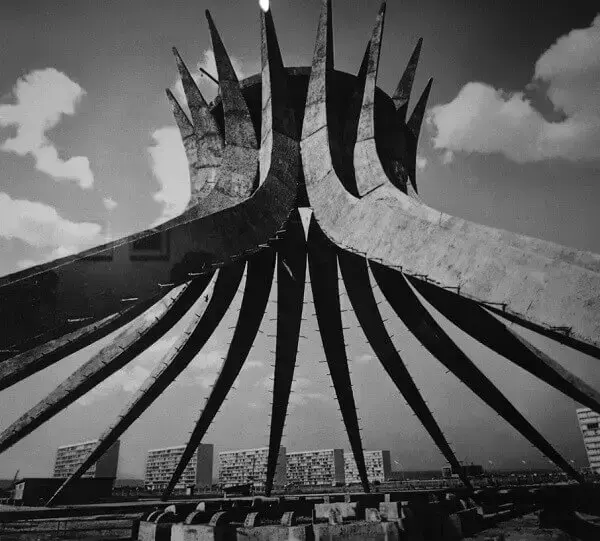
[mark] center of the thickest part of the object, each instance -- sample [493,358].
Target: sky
[89,151]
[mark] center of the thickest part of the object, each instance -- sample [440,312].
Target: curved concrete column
[554,287]
[422,325]
[208,313]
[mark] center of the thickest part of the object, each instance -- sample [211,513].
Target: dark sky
[119,55]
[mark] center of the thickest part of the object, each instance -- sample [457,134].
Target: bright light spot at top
[264,5]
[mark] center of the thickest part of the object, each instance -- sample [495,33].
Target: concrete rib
[552,286]
[322,263]
[204,148]
[356,279]
[422,325]
[401,96]
[256,295]
[485,328]
[132,341]
[25,364]
[291,278]
[208,312]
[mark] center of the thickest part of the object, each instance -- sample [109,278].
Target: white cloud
[170,167]
[447,157]
[41,226]
[109,203]
[42,97]
[203,371]
[364,359]
[421,162]
[486,120]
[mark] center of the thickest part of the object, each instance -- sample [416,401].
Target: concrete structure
[70,457]
[284,139]
[377,463]
[249,466]
[35,491]
[161,463]
[589,423]
[318,467]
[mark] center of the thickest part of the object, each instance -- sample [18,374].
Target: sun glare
[264,5]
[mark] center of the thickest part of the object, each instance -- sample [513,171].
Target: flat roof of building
[77,444]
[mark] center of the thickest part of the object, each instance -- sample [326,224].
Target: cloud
[203,371]
[42,97]
[40,225]
[364,359]
[170,167]
[109,203]
[487,120]
[207,87]
[421,162]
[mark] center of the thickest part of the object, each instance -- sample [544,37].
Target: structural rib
[279,123]
[256,295]
[365,135]
[356,279]
[485,328]
[554,287]
[208,312]
[25,364]
[291,274]
[134,339]
[322,262]
[416,117]
[420,323]
[401,96]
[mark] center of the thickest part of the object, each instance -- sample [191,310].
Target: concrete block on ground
[344,510]
[372,515]
[394,511]
[150,531]
[470,521]
[357,531]
[275,533]
[451,528]
[202,532]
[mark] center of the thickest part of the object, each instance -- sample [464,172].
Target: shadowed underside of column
[322,262]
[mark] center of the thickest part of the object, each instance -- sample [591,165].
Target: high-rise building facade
[589,423]
[317,467]
[249,466]
[161,463]
[378,465]
[70,457]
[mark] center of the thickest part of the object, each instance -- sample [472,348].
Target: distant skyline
[89,151]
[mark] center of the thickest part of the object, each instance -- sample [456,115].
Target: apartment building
[589,423]
[249,466]
[315,467]
[161,463]
[378,465]
[70,457]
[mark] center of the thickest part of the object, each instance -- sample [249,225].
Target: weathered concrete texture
[23,365]
[150,531]
[76,285]
[204,145]
[422,325]
[291,273]
[357,531]
[207,314]
[401,96]
[254,302]
[322,262]
[365,181]
[536,281]
[356,279]
[476,321]
[132,341]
